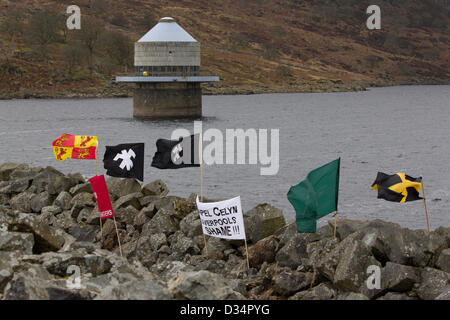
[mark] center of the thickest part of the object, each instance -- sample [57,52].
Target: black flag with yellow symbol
[397,187]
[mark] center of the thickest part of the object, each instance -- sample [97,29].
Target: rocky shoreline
[49,223]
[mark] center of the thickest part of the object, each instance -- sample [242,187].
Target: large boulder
[131,199]
[288,282]
[40,201]
[58,263]
[16,241]
[294,250]
[155,188]
[121,187]
[22,202]
[81,201]
[433,283]
[394,277]
[262,221]
[202,285]
[323,291]
[263,251]
[389,242]
[191,225]
[80,188]
[52,181]
[6,169]
[216,248]
[30,282]
[443,261]
[162,222]
[8,260]
[347,262]
[63,200]
[46,238]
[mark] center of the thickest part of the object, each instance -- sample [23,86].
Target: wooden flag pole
[246,250]
[425,205]
[96,174]
[335,223]
[200,158]
[118,237]
[313,278]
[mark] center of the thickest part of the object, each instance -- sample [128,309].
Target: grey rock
[58,263]
[145,289]
[83,233]
[202,285]
[63,200]
[47,238]
[131,199]
[22,202]
[396,296]
[352,296]
[323,291]
[57,293]
[155,188]
[52,181]
[162,222]
[126,215]
[81,201]
[445,295]
[433,283]
[6,169]
[295,250]
[29,283]
[394,277]
[121,187]
[84,215]
[40,201]
[216,248]
[443,261]
[167,270]
[183,245]
[8,260]
[157,241]
[286,283]
[16,241]
[263,221]
[81,188]
[191,225]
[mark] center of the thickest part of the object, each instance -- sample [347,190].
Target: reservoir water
[396,129]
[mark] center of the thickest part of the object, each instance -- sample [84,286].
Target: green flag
[316,196]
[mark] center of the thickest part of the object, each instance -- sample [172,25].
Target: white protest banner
[222,219]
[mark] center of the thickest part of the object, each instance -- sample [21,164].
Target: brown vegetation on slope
[253,45]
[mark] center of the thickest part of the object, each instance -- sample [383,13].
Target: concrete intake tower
[167,73]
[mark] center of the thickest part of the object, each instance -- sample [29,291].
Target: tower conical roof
[167,30]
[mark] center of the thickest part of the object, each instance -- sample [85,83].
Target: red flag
[101,194]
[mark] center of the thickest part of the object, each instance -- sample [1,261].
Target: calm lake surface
[384,129]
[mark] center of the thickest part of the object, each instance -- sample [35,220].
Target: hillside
[253,45]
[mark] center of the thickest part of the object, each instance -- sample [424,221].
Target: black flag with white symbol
[176,154]
[125,161]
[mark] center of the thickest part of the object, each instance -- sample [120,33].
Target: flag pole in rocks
[105,209]
[125,161]
[223,219]
[400,187]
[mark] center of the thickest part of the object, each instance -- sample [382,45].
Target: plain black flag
[176,154]
[125,161]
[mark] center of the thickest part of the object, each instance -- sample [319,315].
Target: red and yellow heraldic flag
[75,147]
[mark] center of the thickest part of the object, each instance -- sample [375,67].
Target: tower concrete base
[159,100]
